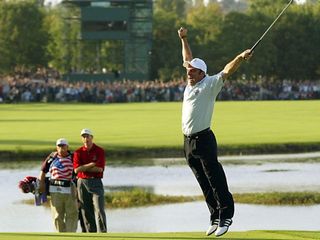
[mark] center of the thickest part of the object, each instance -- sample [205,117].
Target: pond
[177,179]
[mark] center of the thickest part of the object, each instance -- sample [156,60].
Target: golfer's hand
[247,54]
[182,32]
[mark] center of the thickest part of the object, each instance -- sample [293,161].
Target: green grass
[35,127]
[278,198]
[139,197]
[249,235]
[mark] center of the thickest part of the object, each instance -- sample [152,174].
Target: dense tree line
[23,38]
[32,35]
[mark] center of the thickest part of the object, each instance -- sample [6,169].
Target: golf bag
[32,185]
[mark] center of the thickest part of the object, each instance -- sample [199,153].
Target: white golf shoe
[213,227]
[223,227]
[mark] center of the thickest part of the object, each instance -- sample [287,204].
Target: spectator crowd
[47,87]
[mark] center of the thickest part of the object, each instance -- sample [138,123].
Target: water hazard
[175,179]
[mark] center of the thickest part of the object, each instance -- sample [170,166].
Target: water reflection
[193,217]
[176,180]
[179,180]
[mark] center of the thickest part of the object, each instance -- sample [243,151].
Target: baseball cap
[62,141]
[196,63]
[86,131]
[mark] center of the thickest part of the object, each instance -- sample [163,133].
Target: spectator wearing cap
[64,205]
[200,146]
[89,163]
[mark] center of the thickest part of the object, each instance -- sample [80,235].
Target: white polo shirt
[198,103]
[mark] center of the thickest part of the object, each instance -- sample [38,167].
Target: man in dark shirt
[89,163]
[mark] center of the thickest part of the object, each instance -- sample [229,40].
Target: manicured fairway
[252,235]
[35,127]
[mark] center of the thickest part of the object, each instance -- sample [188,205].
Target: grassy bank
[252,235]
[153,129]
[138,197]
[279,198]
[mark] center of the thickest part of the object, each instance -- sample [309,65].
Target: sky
[52,2]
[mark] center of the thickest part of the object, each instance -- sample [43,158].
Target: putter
[257,43]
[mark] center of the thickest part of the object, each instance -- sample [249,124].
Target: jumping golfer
[200,146]
[89,163]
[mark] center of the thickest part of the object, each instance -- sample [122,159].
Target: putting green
[252,235]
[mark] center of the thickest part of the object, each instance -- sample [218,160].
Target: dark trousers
[91,198]
[201,154]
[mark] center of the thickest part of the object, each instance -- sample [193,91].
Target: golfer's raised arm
[186,51]
[232,66]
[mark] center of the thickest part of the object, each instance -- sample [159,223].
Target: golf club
[257,43]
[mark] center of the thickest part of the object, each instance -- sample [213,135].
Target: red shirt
[82,156]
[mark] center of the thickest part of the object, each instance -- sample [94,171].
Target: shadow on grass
[15,142]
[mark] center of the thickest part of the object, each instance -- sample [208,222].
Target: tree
[238,32]
[232,5]
[56,46]
[205,22]
[178,7]
[69,53]
[267,7]
[165,53]
[166,49]
[23,39]
[65,47]
[312,1]
[297,38]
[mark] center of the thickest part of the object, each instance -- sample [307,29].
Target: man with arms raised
[200,146]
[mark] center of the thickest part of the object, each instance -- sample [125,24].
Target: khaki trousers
[64,209]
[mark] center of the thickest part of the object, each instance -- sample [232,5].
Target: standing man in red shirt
[89,163]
